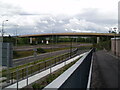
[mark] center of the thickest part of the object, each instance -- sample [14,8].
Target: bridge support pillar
[31,41]
[42,41]
[98,39]
[47,42]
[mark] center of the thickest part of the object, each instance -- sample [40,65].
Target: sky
[58,16]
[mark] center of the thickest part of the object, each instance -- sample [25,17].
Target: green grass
[103,45]
[21,54]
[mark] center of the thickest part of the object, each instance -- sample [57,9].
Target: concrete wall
[115,46]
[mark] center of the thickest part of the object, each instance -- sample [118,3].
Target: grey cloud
[94,15]
[9,10]
[90,21]
[85,25]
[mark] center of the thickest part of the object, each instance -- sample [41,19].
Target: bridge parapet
[76,76]
[71,34]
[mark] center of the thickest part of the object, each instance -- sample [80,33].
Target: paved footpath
[108,68]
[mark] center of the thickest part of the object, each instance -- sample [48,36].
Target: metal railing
[22,73]
[76,76]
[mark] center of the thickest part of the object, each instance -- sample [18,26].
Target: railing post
[45,65]
[27,74]
[50,66]
[22,73]
[39,67]
[55,61]
[65,62]
[11,78]
[17,78]
[31,69]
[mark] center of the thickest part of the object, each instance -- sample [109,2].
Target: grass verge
[40,84]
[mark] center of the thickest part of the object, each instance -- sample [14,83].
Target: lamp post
[115,40]
[71,47]
[2,31]
[51,51]
[52,40]
[16,35]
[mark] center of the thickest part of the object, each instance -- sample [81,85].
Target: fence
[22,73]
[76,76]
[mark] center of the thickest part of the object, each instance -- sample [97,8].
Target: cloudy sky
[45,16]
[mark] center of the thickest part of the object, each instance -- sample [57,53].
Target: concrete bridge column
[98,39]
[42,41]
[47,42]
[31,41]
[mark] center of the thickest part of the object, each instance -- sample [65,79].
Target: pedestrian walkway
[108,68]
[38,76]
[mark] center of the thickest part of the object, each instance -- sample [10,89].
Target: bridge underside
[68,35]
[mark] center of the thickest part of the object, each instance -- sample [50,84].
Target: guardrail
[76,76]
[22,73]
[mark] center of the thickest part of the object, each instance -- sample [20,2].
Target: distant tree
[9,36]
[113,32]
[119,32]
[23,41]
[109,31]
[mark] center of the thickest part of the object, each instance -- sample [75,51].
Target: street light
[71,40]
[16,35]
[2,32]
[71,47]
[51,51]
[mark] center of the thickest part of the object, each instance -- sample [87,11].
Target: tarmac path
[108,69]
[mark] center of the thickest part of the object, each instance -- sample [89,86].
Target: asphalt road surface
[108,69]
[29,48]
[28,59]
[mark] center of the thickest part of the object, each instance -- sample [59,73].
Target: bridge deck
[71,34]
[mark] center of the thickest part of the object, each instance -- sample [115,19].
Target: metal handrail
[63,81]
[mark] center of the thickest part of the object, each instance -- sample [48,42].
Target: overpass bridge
[48,35]
[71,34]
